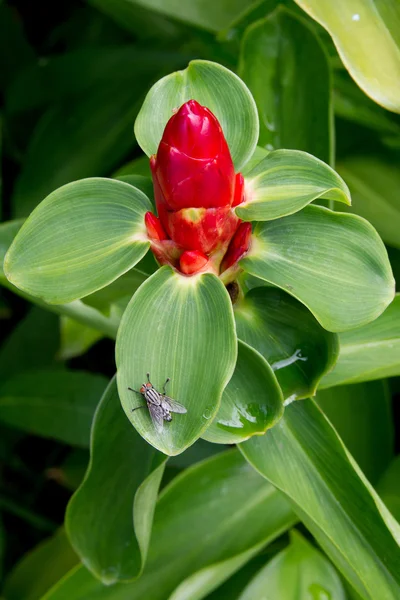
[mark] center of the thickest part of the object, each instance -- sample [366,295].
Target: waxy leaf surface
[284,331]
[369,352]
[334,263]
[111,532]
[369,406]
[79,239]
[213,86]
[213,513]
[287,70]
[366,35]
[182,328]
[374,185]
[286,181]
[332,497]
[252,401]
[299,571]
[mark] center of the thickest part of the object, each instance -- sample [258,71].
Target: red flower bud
[155,230]
[239,245]
[194,180]
[239,190]
[192,261]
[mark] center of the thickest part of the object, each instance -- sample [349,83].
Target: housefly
[160,405]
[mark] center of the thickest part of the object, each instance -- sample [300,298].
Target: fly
[160,405]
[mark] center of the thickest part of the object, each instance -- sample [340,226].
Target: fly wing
[172,405]
[157,416]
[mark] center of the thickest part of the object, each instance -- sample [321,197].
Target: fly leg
[136,392]
[165,385]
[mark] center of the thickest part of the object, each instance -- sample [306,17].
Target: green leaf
[389,487]
[40,569]
[366,35]
[55,404]
[374,185]
[252,401]
[369,352]
[334,263]
[8,231]
[280,577]
[368,405]
[287,335]
[182,328]
[353,105]
[77,310]
[213,512]
[79,239]
[76,338]
[331,496]
[286,181]
[33,344]
[207,14]
[212,85]
[286,68]
[111,532]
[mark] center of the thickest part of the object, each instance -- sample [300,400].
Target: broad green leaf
[33,344]
[210,514]
[76,338]
[111,532]
[284,331]
[366,35]
[49,403]
[286,181]
[353,105]
[252,401]
[182,328]
[369,407]
[369,352]
[374,185]
[79,239]
[77,310]
[207,14]
[286,68]
[257,156]
[233,586]
[334,263]
[331,496]
[212,85]
[40,569]
[280,577]
[389,487]
[8,231]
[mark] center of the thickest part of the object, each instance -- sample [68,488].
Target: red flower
[195,189]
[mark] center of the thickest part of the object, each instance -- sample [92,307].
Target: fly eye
[149,385]
[142,390]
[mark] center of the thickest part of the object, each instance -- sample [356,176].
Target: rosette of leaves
[236,346]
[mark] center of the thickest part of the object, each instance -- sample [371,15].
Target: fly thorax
[152,396]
